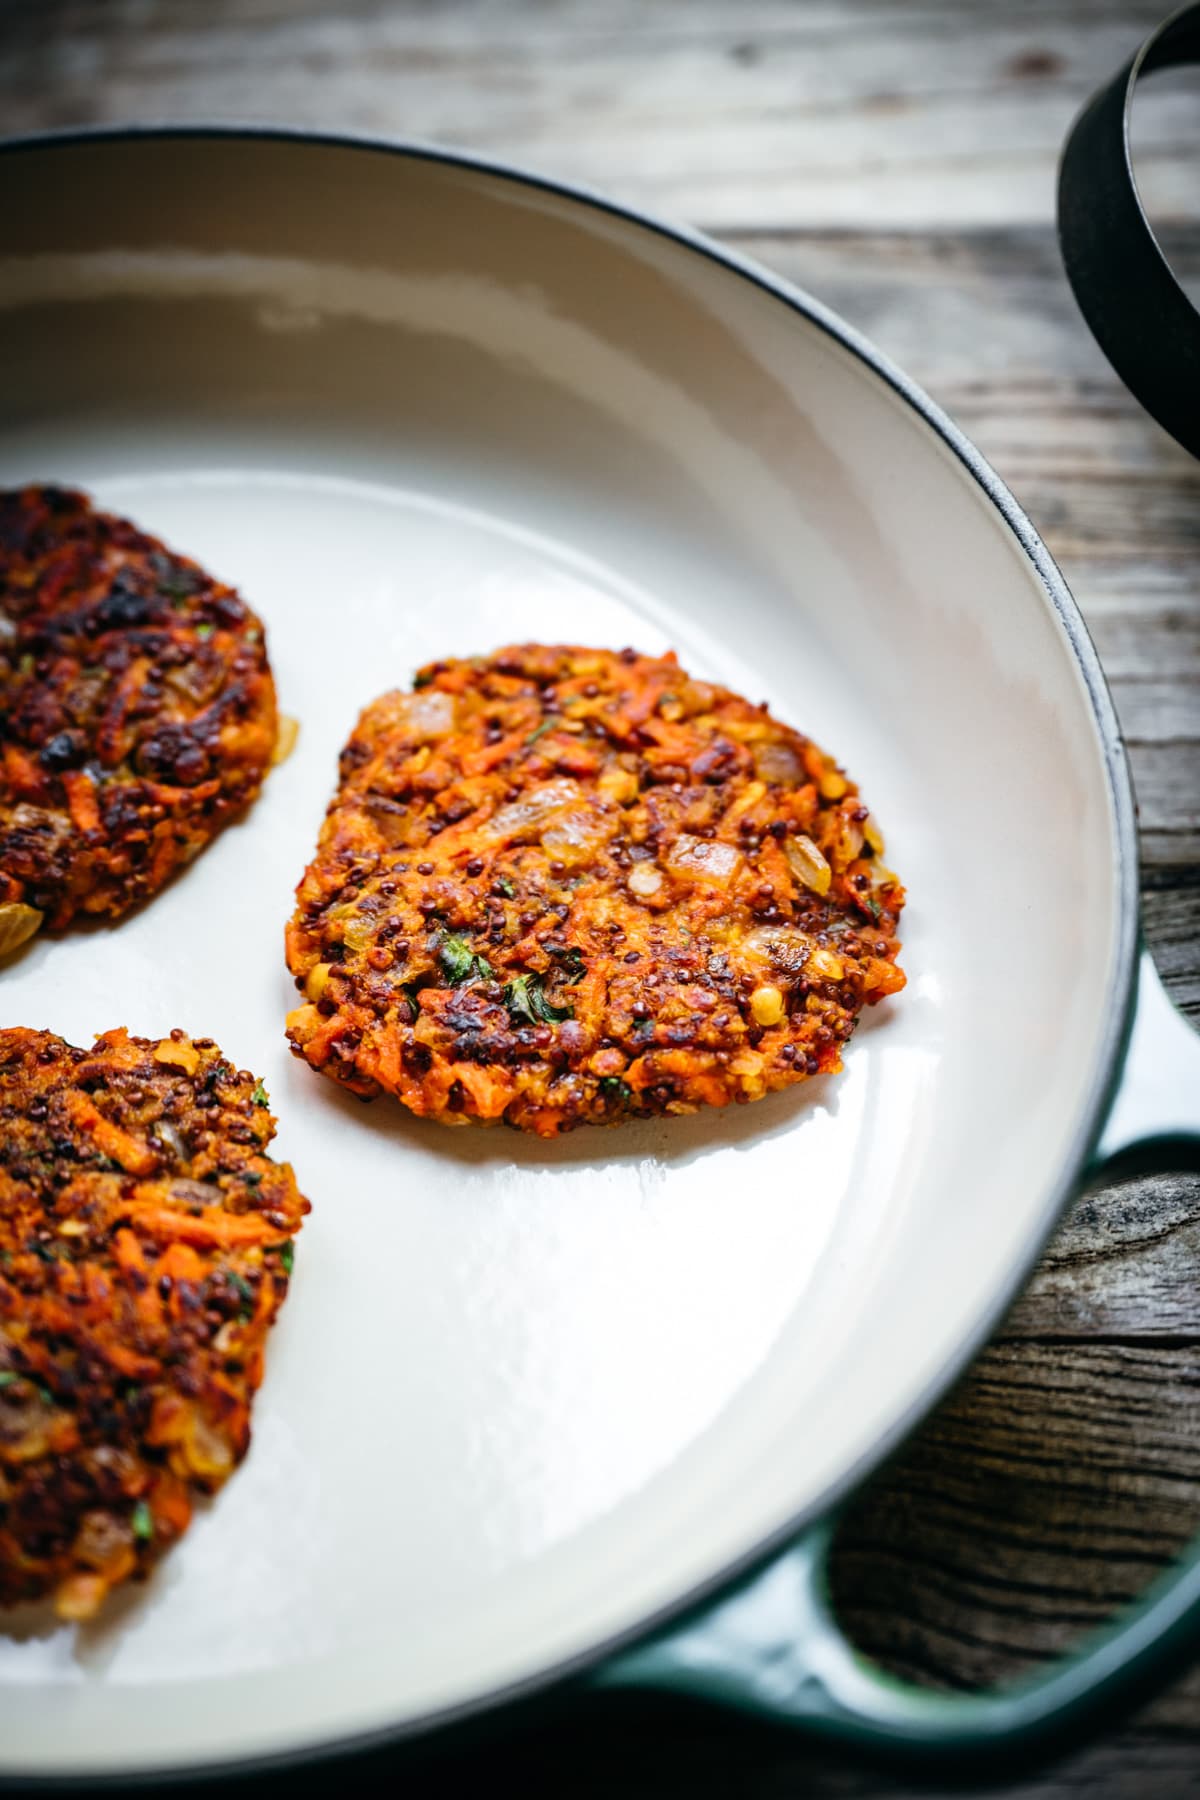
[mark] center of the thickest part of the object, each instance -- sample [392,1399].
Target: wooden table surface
[898,160]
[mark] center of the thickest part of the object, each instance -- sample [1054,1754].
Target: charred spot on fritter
[137,710]
[559,886]
[145,1249]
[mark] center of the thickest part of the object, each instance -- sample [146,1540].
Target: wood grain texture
[897,158]
[728,114]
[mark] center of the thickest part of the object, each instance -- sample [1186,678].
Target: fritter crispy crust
[145,1249]
[137,710]
[559,886]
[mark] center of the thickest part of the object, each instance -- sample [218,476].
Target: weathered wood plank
[1145,628]
[1169,918]
[1122,1266]
[1158,709]
[1166,779]
[858,113]
[1067,1466]
[1049,1489]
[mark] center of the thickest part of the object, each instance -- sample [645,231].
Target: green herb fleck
[525,999]
[287,1256]
[204,630]
[140,1521]
[461,963]
[506,887]
[457,959]
[245,1293]
[9,1376]
[252,1178]
[545,726]
[26,664]
[260,1095]
[422,678]
[613,1088]
[874,908]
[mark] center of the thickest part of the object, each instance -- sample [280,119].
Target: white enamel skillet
[530,1403]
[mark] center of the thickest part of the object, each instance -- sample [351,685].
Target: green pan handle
[770,1645]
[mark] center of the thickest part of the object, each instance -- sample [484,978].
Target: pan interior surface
[525,1395]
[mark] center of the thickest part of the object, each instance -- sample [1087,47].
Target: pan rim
[1119,998]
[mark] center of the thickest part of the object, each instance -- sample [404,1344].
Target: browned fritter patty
[145,1249]
[561,886]
[137,709]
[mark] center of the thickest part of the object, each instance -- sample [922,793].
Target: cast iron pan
[1141,317]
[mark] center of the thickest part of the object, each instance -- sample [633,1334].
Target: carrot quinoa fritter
[561,886]
[137,710]
[145,1249]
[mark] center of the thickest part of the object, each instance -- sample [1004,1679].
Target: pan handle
[770,1646]
[1139,314]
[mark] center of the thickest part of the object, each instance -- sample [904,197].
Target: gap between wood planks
[942,114]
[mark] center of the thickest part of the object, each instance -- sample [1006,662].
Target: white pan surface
[525,1395]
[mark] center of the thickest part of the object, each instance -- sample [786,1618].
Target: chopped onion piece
[575,835]
[168,1133]
[208,1452]
[287,732]
[645,880]
[618,784]
[526,816]
[317,980]
[427,714]
[705,858]
[825,965]
[846,843]
[808,864]
[786,949]
[18,924]
[27,1420]
[780,764]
